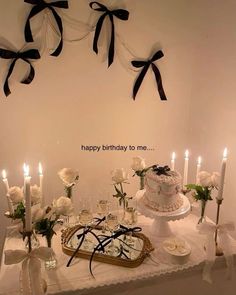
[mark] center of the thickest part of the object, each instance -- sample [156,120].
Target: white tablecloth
[76,279]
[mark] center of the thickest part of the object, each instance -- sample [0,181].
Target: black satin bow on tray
[103,241]
[40,5]
[120,14]
[145,65]
[159,170]
[25,56]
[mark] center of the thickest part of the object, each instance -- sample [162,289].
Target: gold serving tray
[142,246]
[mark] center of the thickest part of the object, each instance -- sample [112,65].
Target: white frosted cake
[163,191]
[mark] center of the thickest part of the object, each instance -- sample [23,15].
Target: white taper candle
[9,202]
[41,184]
[222,175]
[28,217]
[172,167]
[185,178]
[199,162]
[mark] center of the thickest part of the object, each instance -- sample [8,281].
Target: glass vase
[34,241]
[51,263]
[203,208]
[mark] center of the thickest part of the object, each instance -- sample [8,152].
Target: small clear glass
[112,225]
[130,220]
[85,219]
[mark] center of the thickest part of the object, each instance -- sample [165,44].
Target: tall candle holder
[28,235]
[219,251]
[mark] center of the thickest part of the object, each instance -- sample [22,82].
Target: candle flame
[40,169]
[4,174]
[186,154]
[225,153]
[26,169]
[199,160]
[173,156]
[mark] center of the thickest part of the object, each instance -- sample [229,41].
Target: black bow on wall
[25,55]
[119,13]
[40,5]
[145,65]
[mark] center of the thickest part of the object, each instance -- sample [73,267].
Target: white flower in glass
[119,176]
[35,194]
[16,194]
[62,206]
[140,169]
[69,177]
[138,164]
[207,179]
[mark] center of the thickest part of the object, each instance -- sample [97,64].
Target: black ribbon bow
[25,55]
[119,13]
[145,65]
[40,5]
[159,170]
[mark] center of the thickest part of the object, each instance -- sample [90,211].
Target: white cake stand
[160,227]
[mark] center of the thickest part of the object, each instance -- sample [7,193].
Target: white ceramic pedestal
[160,227]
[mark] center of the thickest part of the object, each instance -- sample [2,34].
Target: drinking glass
[112,225]
[130,219]
[102,211]
[85,219]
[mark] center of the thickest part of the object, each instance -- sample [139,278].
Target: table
[154,276]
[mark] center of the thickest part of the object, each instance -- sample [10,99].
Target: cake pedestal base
[160,227]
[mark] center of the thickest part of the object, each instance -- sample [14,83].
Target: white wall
[76,100]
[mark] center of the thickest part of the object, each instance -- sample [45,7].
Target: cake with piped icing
[162,189]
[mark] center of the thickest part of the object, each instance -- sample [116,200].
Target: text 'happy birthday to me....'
[106,147]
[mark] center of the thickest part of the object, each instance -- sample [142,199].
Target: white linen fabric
[76,279]
[31,267]
[225,242]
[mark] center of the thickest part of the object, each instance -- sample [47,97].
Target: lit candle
[222,175]
[173,161]
[185,178]
[41,183]
[25,169]
[199,162]
[9,203]
[28,218]
[4,179]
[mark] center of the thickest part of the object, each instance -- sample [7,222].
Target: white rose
[204,178]
[68,175]
[119,176]
[35,194]
[207,179]
[215,177]
[138,164]
[16,194]
[62,206]
[37,214]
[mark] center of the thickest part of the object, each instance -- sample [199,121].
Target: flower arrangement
[45,219]
[16,196]
[69,178]
[139,167]
[119,177]
[202,191]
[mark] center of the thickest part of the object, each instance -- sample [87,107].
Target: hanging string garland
[120,14]
[40,5]
[25,56]
[145,65]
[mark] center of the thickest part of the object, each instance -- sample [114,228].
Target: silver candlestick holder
[219,251]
